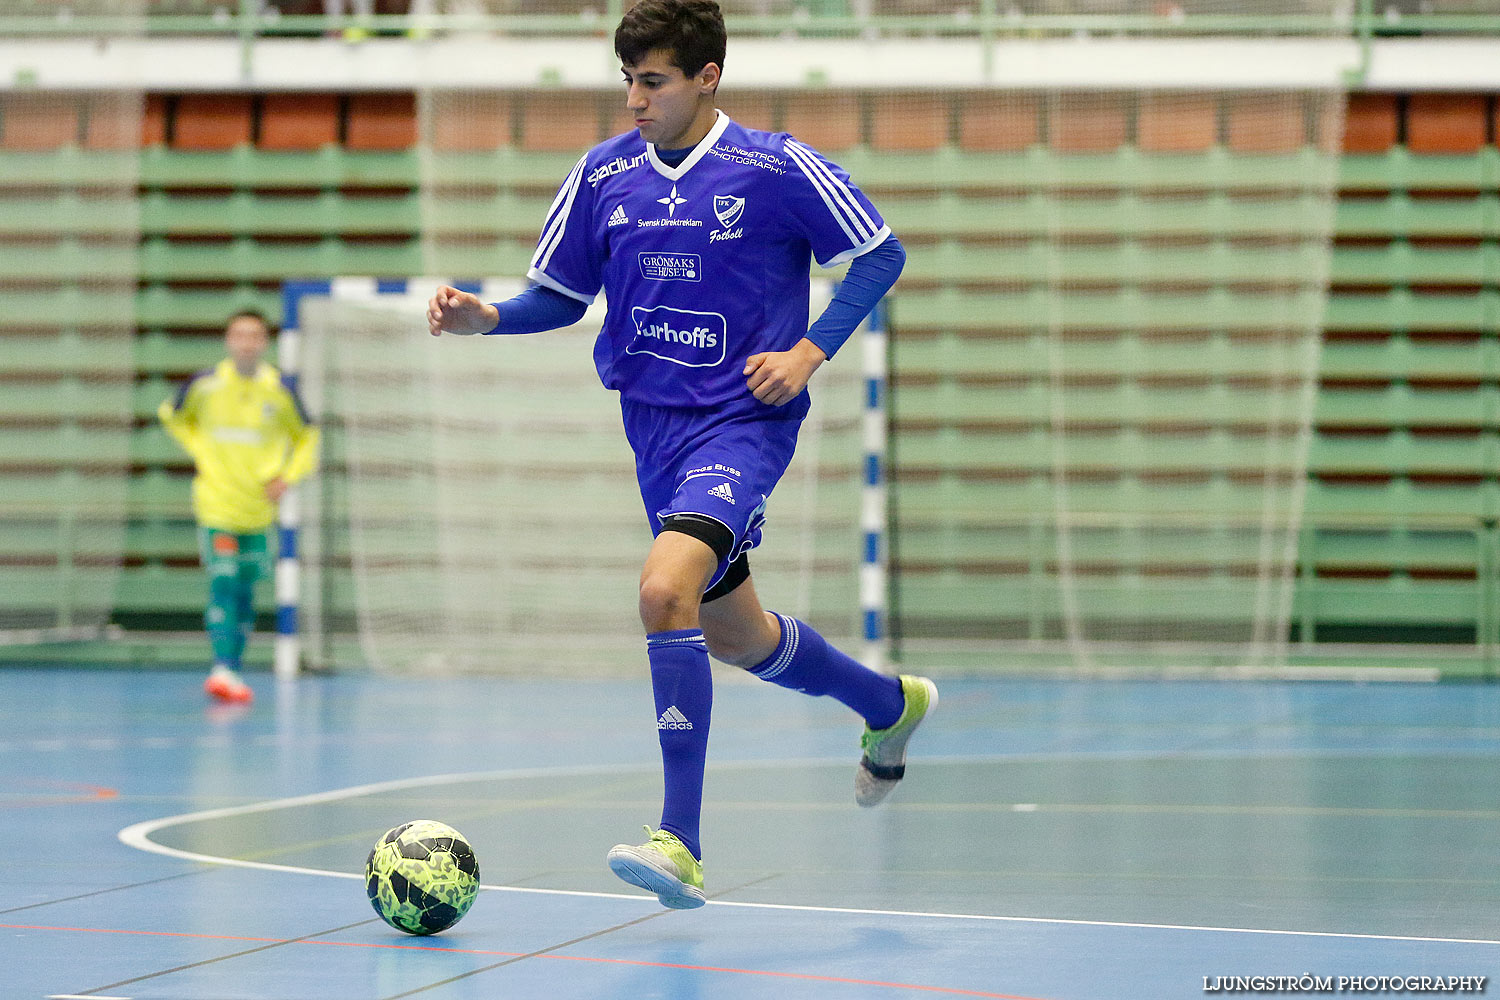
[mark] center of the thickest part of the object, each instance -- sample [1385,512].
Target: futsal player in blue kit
[700,232]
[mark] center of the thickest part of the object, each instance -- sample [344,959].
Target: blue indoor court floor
[1056,840]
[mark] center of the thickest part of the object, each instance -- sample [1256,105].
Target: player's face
[671,109]
[246,338]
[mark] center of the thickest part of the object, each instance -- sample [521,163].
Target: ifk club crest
[728,208]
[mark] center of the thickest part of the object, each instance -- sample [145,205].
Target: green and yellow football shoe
[884,761]
[662,865]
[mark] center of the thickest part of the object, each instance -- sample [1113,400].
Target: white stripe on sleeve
[557,216]
[842,193]
[836,195]
[839,188]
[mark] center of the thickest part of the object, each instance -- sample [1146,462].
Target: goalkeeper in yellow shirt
[250,439]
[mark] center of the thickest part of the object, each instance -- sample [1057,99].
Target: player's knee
[665,605]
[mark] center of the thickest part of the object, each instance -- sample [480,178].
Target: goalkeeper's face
[246,338]
[671,109]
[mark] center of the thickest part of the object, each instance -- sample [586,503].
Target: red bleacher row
[1433,123]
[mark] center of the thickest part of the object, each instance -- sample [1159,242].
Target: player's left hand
[276,489]
[778,377]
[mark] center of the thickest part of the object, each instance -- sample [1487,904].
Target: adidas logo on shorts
[618,217]
[723,492]
[673,718]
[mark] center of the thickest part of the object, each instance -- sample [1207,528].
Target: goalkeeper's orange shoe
[225,685]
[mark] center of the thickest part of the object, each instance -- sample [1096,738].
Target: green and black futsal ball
[422,877]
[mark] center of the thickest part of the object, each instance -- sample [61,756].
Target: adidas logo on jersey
[673,718]
[723,492]
[618,217]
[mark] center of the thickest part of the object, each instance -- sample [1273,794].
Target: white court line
[138,835]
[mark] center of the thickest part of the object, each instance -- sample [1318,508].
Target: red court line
[80,793]
[767,973]
[947,990]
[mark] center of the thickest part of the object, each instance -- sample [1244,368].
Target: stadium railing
[986,20]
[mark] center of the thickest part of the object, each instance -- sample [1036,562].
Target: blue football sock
[804,661]
[684,690]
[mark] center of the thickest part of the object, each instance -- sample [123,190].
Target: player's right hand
[459,312]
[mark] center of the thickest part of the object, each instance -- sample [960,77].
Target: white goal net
[1102,405]
[69,241]
[478,510]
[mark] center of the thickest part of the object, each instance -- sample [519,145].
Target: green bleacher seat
[251,213]
[1033,401]
[1124,169]
[46,589]
[150,444]
[502,213]
[65,260]
[148,393]
[1113,215]
[1400,215]
[1010,548]
[1403,358]
[159,354]
[245,168]
[948,401]
[957,604]
[947,353]
[156,492]
[1032,261]
[160,306]
[484,256]
[66,305]
[62,444]
[163,538]
[1132,450]
[1397,169]
[1415,551]
[1400,405]
[161,589]
[1387,602]
[62,535]
[245,259]
[42,487]
[66,212]
[68,399]
[1402,264]
[1392,499]
[66,352]
[514,169]
[1401,309]
[69,167]
[1147,310]
[1401,452]
[925,490]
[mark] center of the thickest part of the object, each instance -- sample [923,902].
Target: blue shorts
[712,463]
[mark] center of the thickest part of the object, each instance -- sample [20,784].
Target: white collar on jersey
[699,151]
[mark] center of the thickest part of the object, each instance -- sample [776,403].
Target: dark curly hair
[691,30]
[255,314]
